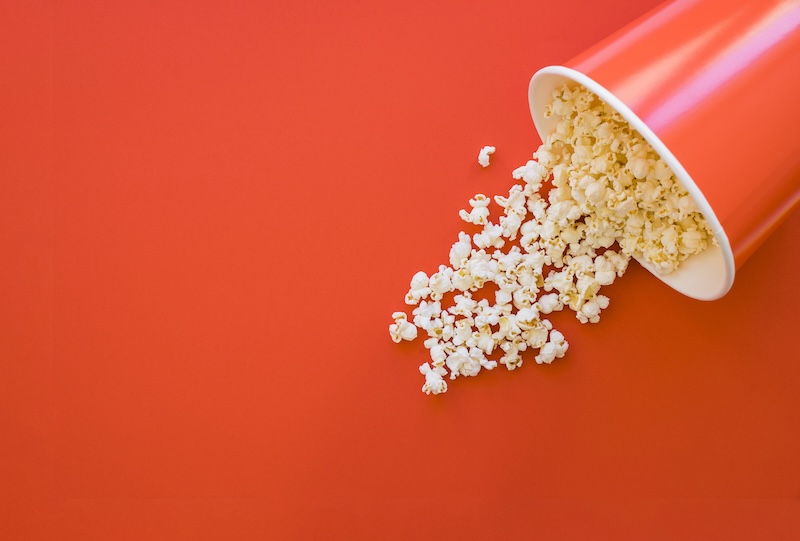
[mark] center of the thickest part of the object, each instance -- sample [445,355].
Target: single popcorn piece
[554,349]
[440,282]
[434,383]
[549,303]
[483,155]
[419,288]
[401,329]
[460,251]
[610,198]
[480,211]
[490,237]
[425,313]
[533,173]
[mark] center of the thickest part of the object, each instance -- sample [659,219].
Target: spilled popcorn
[611,198]
[483,155]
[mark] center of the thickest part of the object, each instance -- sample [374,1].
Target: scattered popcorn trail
[611,198]
[483,155]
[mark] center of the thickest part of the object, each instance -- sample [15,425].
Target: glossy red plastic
[714,86]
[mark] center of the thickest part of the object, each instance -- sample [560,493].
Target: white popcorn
[529,271]
[512,357]
[440,283]
[461,363]
[487,315]
[442,328]
[401,329]
[503,297]
[434,384]
[549,303]
[484,340]
[509,328]
[538,207]
[530,234]
[554,349]
[595,192]
[515,202]
[604,271]
[639,167]
[464,305]
[536,335]
[462,331]
[482,268]
[462,280]
[483,155]
[533,173]
[419,288]
[525,296]
[528,318]
[460,251]
[589,312]
[490,237]
[479,213]
[477,354]
[511,223]
[438,353]
[586,287]
[425,313]
[508,261]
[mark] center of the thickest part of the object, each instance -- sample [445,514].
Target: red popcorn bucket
[714,87]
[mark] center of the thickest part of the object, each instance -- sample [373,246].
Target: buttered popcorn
[611,198]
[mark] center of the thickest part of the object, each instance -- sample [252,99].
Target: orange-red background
[208,212]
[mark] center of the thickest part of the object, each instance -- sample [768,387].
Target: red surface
[699,73]
[208,213]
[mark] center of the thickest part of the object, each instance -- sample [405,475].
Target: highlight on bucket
[699,80]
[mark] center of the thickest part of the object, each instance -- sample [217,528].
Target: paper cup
[714,87]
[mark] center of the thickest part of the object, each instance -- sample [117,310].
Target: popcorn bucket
[714,87]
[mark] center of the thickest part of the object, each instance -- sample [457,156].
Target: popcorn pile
[611,198]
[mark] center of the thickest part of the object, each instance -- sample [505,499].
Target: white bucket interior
[704,276]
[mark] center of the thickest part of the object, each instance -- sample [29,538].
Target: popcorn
[479,212]
[533,173]
[434,384]
[465,305]
[528,318]
[511,359]
[508,327]
[612,198]
[490,237]
[487,315]
[419,288]
[462,363]
[401,329]
[425,312]
[482,268]
[595,192]
[440,282]
[462,280]
[549,303]
[589,312]
[554,349]
[536,335]
[460,251]
[483,155]
[483,340]
[462,332]
[438,354]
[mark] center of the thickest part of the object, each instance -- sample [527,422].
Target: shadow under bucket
[714,87]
